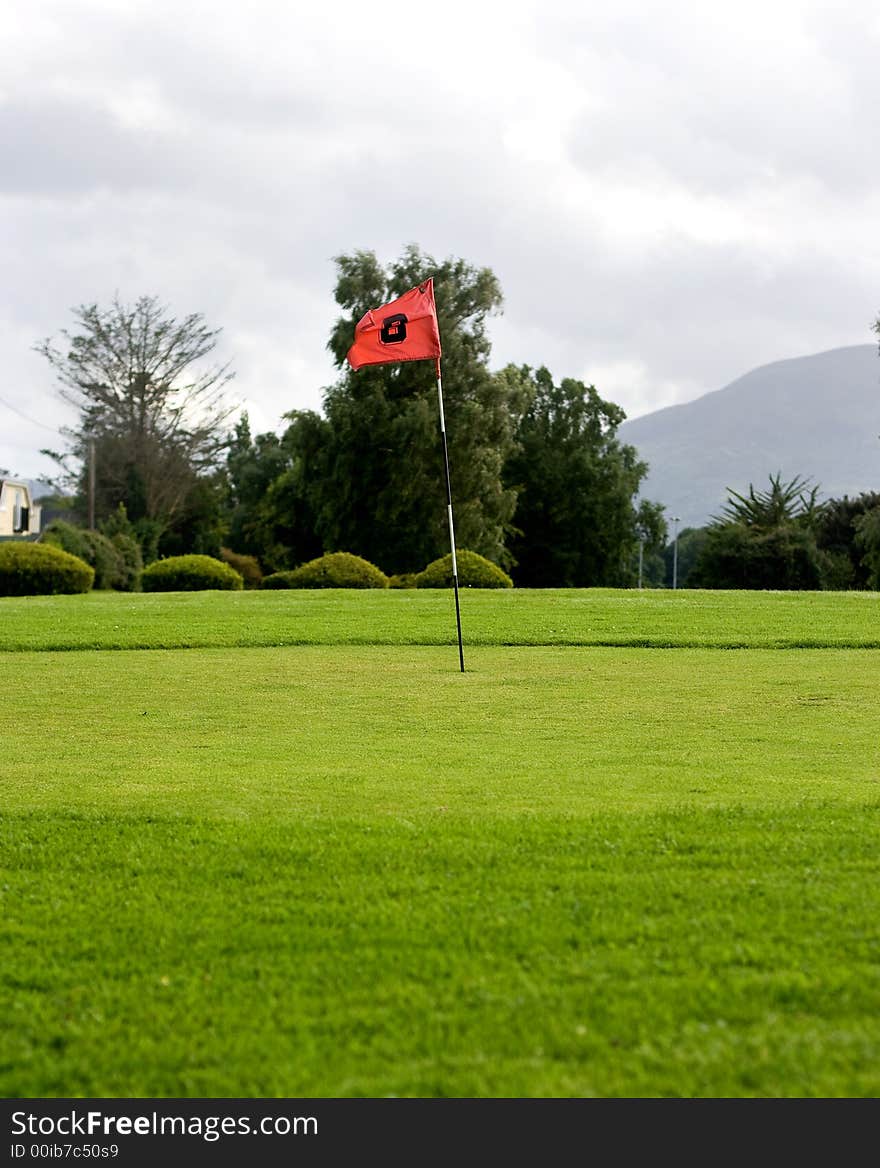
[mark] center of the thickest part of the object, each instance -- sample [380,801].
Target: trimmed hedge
[403,580]
[334,570]
[190,574]
[474,571]
[38,569]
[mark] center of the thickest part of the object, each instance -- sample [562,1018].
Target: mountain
[815,417]
[39,488]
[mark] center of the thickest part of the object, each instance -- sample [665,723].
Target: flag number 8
[393,329]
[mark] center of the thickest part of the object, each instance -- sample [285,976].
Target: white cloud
[669,194]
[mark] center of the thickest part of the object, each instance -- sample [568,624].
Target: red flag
[404,330]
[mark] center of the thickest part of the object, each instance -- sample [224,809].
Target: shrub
[189,574]
[105,555]
[474,571]
[334,570]
[68,537]
[277,580]
[38,569]
[737,556]
[248,567]
[117,522]
[104,558]
[131,563]
[403,580]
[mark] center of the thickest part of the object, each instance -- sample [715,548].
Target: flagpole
[449,511]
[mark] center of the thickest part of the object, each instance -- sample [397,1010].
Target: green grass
[723,954]
[659,618]
[374,731]
[337,870]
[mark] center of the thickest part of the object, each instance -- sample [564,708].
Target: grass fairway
[588,616]
[336,869]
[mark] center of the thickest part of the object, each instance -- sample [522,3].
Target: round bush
[37,569]
[190,574]
[474,571]
[334,570]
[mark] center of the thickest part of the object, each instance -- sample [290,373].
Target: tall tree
[651,531]
[272,483]
[149,409]
[576,482]
[383,494]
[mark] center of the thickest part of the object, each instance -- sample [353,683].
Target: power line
[33,421]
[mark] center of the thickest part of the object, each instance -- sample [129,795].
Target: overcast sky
[669,193]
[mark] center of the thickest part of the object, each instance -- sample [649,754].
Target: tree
[867,528]
[837,537]
[793,503]
[576,483]
[282,491]
[273,481]
[764,540]
[651,532]
[150,413]
[381,487]
[252,464]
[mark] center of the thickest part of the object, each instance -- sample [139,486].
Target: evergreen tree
[271,483]
[381,493]
[576,482]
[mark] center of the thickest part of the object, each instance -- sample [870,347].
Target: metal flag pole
[449,511]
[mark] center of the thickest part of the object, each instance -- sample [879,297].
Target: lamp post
[675,521]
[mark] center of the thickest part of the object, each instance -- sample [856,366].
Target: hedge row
[28,569]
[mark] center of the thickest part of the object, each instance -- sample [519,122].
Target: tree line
[542,484]
[782,537]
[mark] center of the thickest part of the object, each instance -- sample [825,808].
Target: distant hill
[816,417]
[39,488]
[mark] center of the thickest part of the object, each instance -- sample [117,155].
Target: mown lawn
[596,616]
[335,870]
